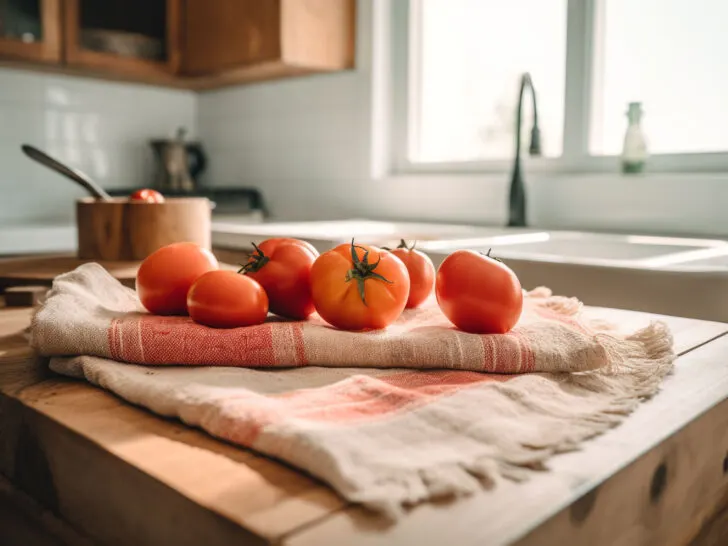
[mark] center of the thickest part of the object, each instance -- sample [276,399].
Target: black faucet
[517,199]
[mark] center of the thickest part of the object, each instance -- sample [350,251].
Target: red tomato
[478,293]
[359,287]
[225,299]
[166,275]
[275,241]
[421,273]
[147,196]
[283,268]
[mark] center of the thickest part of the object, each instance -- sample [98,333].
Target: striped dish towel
[388,418]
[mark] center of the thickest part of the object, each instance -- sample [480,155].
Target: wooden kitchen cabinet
[230,41]
[138,38]
[30,30]
[194,44]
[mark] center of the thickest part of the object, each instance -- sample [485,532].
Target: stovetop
[227,200]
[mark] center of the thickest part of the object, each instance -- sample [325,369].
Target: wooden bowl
[130,230]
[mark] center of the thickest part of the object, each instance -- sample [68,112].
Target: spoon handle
[74,174]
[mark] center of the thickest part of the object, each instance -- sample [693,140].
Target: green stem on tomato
[256,261]
[363,270]
[403,244]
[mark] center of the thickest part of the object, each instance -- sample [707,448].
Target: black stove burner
[227,200]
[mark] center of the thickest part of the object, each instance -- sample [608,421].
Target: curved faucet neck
[535,147]
[517,197]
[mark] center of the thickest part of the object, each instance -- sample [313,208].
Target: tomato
[478,293]
[166,275]
[283,268]
[275,241]
[358,287]
[147,196]
[226,299]
[421,273]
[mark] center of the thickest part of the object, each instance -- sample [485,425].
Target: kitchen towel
[388,418]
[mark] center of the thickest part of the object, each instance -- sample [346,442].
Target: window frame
[583,27]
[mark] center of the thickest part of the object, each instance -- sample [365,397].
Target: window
[670,55]
[587,58]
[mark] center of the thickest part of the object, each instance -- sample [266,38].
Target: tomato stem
[363,270]
[256,261]
[403,244]
[487,255]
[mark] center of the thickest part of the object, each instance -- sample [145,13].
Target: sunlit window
[472,55]
[466,58]
[669,55]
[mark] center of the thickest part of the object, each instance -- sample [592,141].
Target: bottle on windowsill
[634,152]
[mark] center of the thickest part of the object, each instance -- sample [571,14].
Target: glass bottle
[634,152]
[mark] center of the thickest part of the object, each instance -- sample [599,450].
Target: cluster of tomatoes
[352,287]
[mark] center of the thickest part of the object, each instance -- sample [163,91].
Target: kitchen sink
[324,235]
[666,275]
[592,248]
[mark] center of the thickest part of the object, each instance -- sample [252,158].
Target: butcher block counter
[80,466]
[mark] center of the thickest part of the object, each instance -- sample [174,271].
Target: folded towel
[382,437]
[88,312]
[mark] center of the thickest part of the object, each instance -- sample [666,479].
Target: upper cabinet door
[30,30]
[233,41]
[224,34]
[139,38]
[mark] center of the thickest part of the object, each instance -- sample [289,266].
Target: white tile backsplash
[299,130]
[100,127]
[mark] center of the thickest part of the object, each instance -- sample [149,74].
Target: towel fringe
[586,404]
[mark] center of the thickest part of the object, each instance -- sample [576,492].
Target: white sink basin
[515,243]
[592,248]
[324,235]
[671,276]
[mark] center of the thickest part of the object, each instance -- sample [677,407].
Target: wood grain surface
[41,270]
[25,296]
[226,34]
[123,230]
[121,475]
[25,522]
[236,41]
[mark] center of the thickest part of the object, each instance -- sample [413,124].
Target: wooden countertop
[83,465]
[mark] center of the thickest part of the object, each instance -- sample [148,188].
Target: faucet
[517,198]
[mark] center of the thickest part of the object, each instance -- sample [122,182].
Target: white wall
[302,141]
[314,147]
[100,127]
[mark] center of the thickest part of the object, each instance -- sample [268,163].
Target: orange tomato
[358,287]
[166,275]
[421,273]
[226,299]
[283,268]
[478,293]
